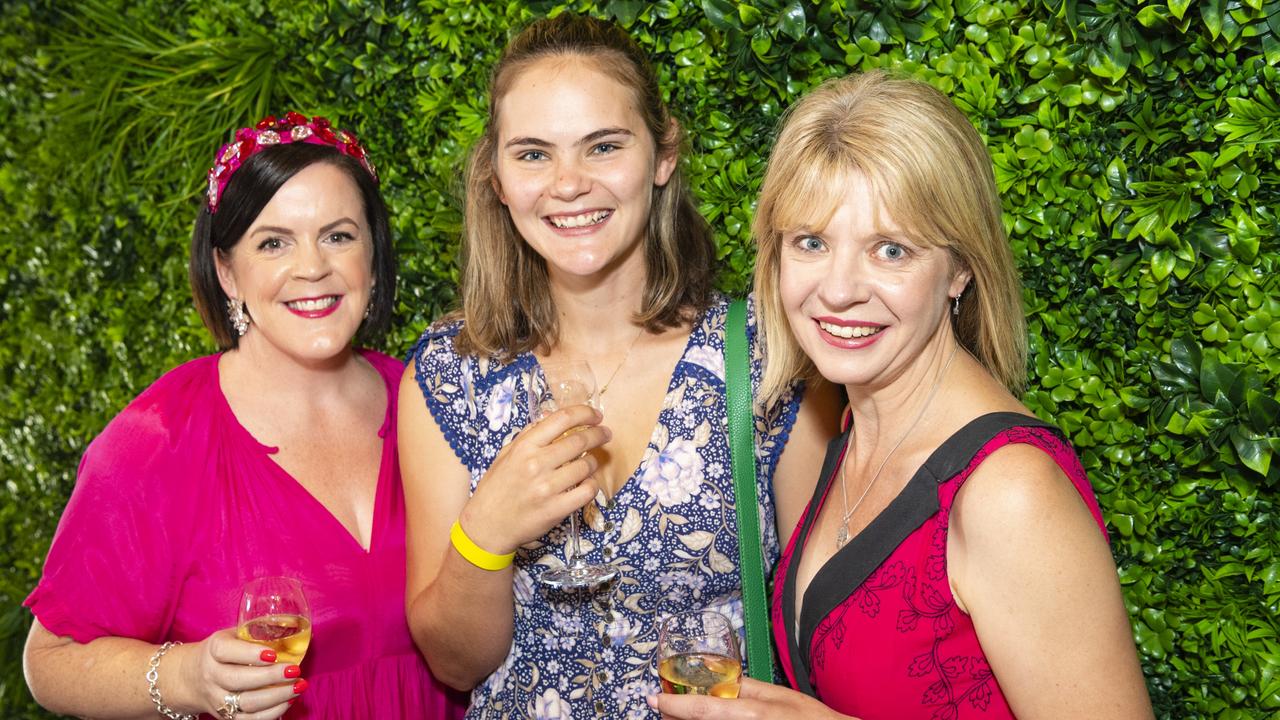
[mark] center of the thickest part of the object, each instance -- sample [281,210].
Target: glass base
[579,577]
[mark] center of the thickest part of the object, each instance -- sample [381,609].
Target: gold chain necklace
[605,388]
[842,534]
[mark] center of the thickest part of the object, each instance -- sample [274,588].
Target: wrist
[163,679]
[493,540]
[475,553]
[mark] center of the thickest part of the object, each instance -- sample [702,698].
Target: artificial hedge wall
[1134,144]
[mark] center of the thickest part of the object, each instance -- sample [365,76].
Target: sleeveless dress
[177,505]
[879,634]
[670,529]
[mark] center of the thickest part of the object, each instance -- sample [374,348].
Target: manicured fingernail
[268,655]
[299,686]
[292,700]
[292,671]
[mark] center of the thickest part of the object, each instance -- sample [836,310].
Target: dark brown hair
[248,192]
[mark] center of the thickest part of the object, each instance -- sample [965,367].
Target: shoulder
[1020,492]
[168,403]
[151,433]
[436,343]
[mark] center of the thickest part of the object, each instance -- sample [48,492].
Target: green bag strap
[742,448]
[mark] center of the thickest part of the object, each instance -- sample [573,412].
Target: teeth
[847,332]
[312,305]
[573,221]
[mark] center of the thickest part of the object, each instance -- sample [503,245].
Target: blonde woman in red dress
[952,563]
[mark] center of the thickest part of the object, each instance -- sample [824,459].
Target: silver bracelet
[153,674]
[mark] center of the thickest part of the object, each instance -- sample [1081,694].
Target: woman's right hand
[223,664]
[536,481]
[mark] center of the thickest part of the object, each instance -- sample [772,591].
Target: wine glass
[561,384]
[274,612]
[698,655]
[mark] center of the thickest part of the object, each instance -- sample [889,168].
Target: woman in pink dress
[275,457]
[952,563]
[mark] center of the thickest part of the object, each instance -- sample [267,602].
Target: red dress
[879,634]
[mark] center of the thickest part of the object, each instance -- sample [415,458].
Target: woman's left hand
[756,701]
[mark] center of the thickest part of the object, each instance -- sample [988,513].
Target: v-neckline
[646,456]
[270,450]
[852,564]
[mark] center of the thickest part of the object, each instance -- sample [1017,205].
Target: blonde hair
[931,170]
[506,299]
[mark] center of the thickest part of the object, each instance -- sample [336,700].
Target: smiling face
[864,301]
[576,167]
[304,268]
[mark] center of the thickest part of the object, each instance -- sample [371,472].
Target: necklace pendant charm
[842,537]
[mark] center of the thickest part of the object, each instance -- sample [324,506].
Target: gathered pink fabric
[176,506]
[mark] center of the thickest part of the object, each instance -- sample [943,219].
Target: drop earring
[236,312]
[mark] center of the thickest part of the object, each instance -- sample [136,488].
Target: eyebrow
[289,231]
[586,139]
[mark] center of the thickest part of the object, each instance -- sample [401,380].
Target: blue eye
[810,243]
[532,155]
[892,251]
[604,148]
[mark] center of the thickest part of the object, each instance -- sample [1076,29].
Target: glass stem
[575,548]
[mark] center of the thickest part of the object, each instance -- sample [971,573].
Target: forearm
[105,678]
[463,621]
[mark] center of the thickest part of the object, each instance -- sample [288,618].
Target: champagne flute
[561,384]
[698,655]
[274,612]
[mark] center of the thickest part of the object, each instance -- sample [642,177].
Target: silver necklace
[842,534]
[614,374]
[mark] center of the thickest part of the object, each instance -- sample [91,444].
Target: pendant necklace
[605,388]
[842,534]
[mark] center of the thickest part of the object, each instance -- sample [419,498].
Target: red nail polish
[291,700]
[299,686]
[268,655]
[292,671]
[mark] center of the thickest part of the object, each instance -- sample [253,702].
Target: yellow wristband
[475,554]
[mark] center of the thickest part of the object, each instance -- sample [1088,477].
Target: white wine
[700,674]
[288,635]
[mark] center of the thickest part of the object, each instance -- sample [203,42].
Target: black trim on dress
[866,551]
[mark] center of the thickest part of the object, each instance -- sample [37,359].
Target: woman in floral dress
[582,242]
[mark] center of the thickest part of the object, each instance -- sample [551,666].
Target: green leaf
[721,14]
[792,20]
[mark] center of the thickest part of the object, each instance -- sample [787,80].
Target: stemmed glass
[561,384]
[274,612]
[698,655]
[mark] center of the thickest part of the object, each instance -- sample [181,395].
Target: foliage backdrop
[1135,144]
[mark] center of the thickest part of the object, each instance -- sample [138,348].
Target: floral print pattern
[671,529]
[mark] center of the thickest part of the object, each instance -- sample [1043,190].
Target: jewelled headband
[293,127]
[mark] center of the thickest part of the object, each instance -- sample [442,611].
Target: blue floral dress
[670,529]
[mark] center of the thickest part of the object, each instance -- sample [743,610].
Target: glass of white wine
[698,655]
[561,384]
[274,612]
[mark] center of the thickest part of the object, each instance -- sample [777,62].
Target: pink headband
[293,127]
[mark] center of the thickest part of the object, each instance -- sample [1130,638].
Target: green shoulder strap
[755,605]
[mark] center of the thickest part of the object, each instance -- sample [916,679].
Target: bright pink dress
[879,634]
[176,505]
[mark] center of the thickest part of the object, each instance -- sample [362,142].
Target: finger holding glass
[698,655]
[274,612]
[562,384]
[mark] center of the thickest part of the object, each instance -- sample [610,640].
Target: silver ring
[230,706]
